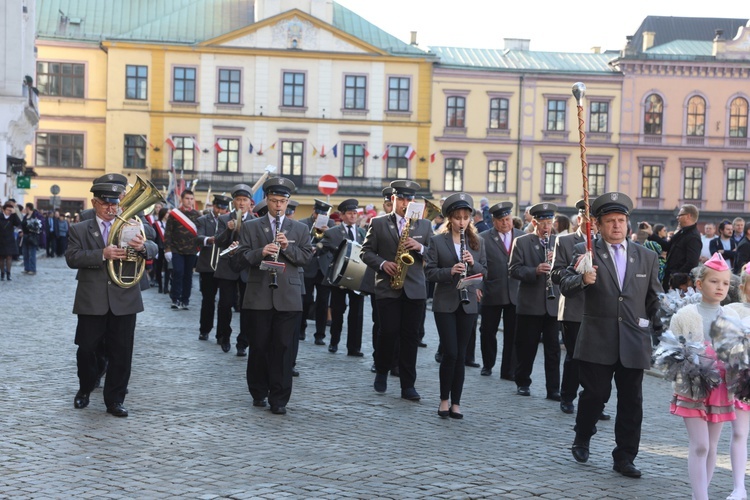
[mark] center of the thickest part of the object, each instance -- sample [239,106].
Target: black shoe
[278,410]
[523,391]
[626,469]
[333,348]
[411,394]
[175,305]
[604,416]
[456,415]
[422,344]
[81,400]
[117,410]
[472,364]
[260,403]
[295,373]
[486,372]
[438,357]
[444,413]
[226,346]
[319,341]
[356,354]
[373,369]
[381,383]
[567,407]
[203,336]
[241,351]
[580,450]
[554,396]
[302,336]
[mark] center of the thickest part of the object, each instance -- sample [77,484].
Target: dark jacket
[684,252]
[8,245]
[715,245]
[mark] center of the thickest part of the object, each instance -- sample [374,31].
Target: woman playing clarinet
[454,253]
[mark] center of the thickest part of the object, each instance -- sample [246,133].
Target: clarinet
[550,289]
[463,293]
[274,274]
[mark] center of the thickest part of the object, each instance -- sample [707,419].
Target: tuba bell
[142,196]
[431,210]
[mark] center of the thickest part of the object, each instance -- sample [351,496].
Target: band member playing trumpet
[391,242]
[273,312]
[105,310]
[207,226]
[536,312]
[231,283]
[455,252]
[332,238]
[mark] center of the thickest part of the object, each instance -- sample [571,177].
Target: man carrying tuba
[105,310]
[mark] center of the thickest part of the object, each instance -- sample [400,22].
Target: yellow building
[218,90]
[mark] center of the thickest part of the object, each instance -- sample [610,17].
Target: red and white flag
[384,156]
[410,153]
[432,158]
[170,143]
[218,147]
[196,146]
[367,153]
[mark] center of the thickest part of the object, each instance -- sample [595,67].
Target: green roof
[523,60]
[683,48]
[180,22]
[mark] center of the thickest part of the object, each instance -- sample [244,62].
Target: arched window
[653,115]
[738,118]
[696,117]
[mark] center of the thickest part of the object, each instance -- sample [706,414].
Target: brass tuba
[140,197]
[431,210]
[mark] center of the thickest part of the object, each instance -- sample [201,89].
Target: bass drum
[347,269]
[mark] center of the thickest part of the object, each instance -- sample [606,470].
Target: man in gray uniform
[619,317]
[207,226]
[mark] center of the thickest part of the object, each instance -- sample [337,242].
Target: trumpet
[463,292]
[214,260]
[274,273]
[547,250]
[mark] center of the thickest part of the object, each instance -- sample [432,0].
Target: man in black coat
[685,246]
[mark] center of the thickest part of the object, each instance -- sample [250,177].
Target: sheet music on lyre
[414,210]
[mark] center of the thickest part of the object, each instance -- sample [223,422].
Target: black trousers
[375,324]
[118,333]
[454,330]
[353,320]
[491,316]
[569,387]
[269,364]
[596,381]
[529,330]
[471,344]
[228,297]
[399,325]
[319,294]
[209,286]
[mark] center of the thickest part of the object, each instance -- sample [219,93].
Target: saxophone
[403,259]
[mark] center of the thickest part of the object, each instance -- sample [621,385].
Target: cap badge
[614,196]
[462,196]
[114,188]
[545,206]
[110,176]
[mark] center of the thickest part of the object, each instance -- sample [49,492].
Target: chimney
[629,49]
[596,50]
[719,43]
[517,44]
[414,38]
[648,40]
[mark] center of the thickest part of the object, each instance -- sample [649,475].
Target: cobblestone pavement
[193,433]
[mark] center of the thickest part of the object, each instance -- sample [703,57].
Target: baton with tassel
[586,263]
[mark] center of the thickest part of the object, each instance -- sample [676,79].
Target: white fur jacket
[741,308]
[688,322]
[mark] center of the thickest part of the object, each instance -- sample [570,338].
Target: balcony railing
[307,185]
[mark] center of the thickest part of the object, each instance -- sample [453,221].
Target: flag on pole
[432,158]
[367,153]
[384,156]
[196,146]
[218,147]
[335,151]
[170,143]
[410,153]
[145,140]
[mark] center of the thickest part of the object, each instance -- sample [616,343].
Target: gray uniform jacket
[95,293]
[569,308]
[526,254]
[312,267]
[206,226]
[499,288]
[440,257]
[617,324]
[255,235]
[380,246]
[224,238]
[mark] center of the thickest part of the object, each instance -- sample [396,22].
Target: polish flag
[410,153]
[367,153]
[170,143]
[384,156]
[432,158]
[218,147]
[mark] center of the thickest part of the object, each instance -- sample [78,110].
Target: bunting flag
[273,146]
[367,153]
[410,153]
[218,147]
[170,143]
[323,151]
[314,150]
[432,158]
[260,150]
[196,146]
[250,148]
[335,151]
[384,156]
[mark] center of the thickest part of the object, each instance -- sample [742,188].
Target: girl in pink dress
[741,425]
[704,418]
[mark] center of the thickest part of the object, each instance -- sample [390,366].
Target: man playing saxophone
[392,242]
[105,310]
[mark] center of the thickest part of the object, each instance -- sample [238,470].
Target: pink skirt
[741,405]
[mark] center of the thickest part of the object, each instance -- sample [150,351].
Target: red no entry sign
[328,184]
